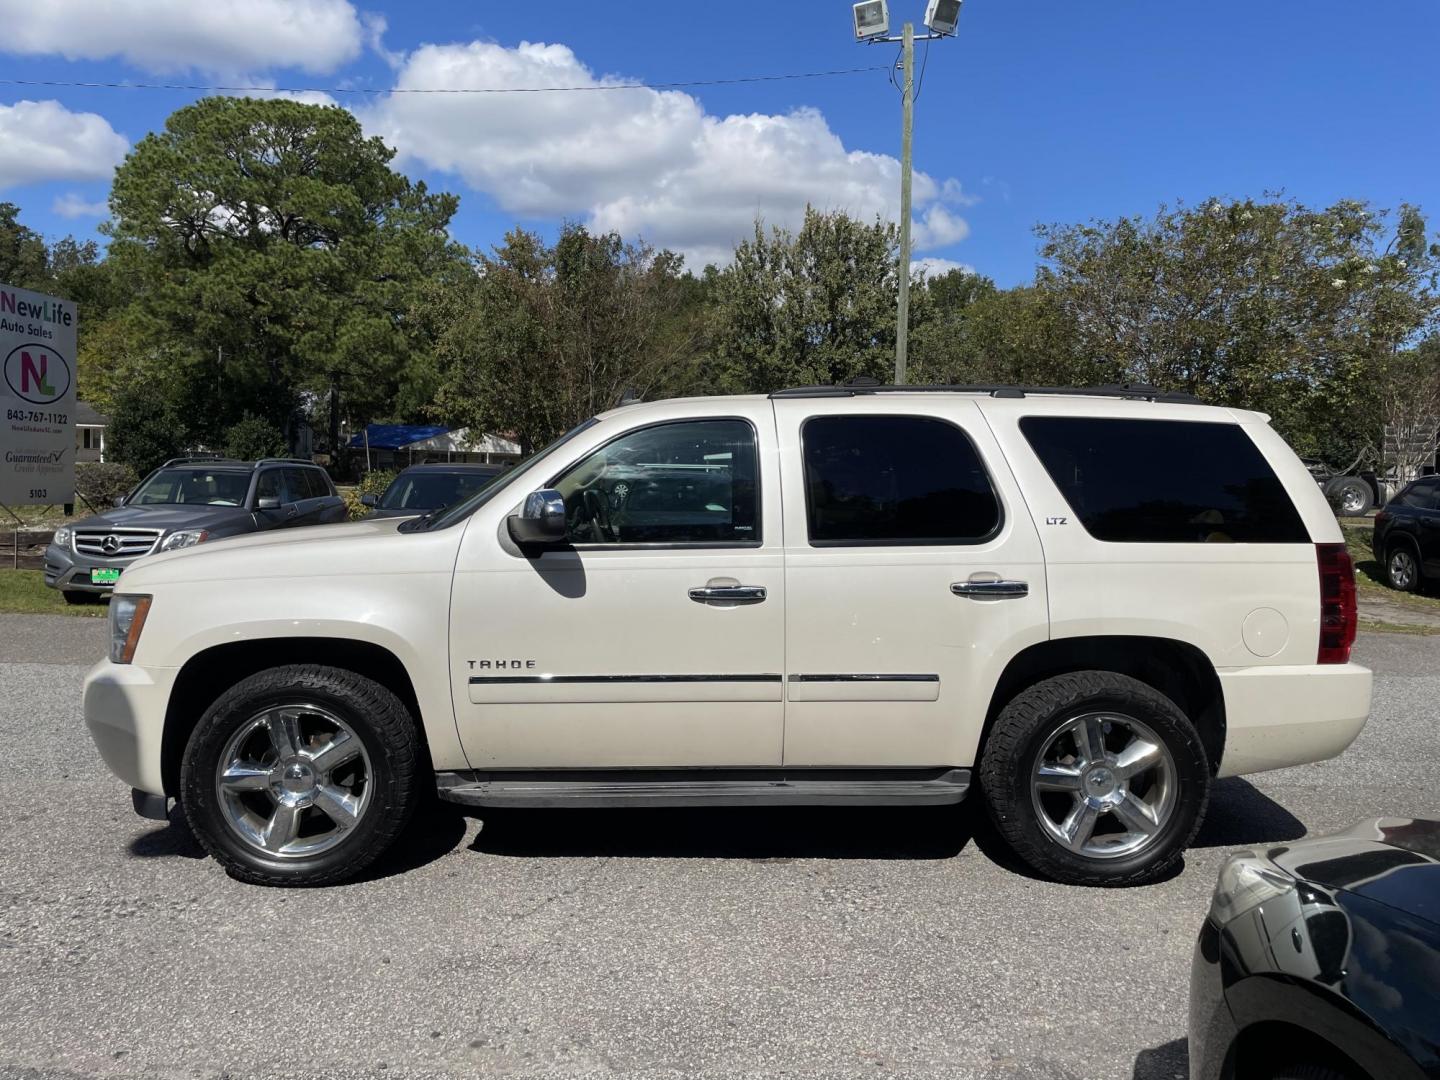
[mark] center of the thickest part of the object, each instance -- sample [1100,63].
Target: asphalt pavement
[808,943]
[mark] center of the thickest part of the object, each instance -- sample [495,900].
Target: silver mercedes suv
[187,501]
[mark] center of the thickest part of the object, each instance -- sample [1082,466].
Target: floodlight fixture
[872,19]
[942,16]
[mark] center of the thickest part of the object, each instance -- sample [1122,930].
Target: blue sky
[1040,111]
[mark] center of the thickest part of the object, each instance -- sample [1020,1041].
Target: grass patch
[1375,626]
[23,592]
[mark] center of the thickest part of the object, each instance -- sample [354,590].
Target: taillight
[1337,603]
[1382,516]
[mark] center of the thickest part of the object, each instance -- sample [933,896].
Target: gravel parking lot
[804,942]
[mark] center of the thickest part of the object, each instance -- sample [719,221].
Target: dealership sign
[37,395]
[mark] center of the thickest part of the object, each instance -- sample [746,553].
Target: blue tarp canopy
[394,436]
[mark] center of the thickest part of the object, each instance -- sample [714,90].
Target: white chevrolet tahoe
[1087,604]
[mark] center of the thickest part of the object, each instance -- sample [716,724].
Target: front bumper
[1280,716]
[70,572]
[125,713]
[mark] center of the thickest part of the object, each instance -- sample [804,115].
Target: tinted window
[269,485]
[1165,481]
[1420,495]
[318,482]
[685,483]
[297,484]
[895,480]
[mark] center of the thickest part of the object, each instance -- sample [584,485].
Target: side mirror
[268,502]
[369,500]
[120,500]
[541,521]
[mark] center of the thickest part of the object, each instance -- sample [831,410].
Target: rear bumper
[1276,717]
[125,713]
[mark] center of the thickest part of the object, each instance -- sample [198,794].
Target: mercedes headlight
[1246,882]
[185,538]
[127,620]
[62,537]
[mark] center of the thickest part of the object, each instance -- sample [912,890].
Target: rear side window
[1165,481]
[1420,495]
[895,480]
[319,484]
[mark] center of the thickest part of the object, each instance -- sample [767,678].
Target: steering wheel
[598,507]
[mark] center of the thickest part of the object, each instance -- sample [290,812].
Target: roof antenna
[863,380]
[629,396]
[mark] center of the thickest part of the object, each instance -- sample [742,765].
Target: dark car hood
[1393,861]
[167,518]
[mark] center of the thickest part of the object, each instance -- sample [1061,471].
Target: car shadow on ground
[1240,815]
[759,834]
[1168,1062]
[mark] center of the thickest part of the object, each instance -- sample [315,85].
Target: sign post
[37,399]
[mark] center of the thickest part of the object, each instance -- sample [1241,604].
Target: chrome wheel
[1402,569]
[1354,501]
[293,781]
[1104,786]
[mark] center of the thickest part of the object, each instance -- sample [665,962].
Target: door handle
[728,594]
[991,590]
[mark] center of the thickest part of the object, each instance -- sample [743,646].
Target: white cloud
[933,267]
[223,36]
[643,162]
[71,205]
[43,140]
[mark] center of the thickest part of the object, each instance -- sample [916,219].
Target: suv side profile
[1407,535]
[187,501]
[1088,605]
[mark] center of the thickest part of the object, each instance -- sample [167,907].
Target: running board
[909,787]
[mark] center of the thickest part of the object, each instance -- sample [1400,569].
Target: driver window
[269,485]
[693,482]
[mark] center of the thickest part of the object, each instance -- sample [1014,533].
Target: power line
[69,84]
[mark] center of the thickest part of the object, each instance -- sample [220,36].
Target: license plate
[104,577]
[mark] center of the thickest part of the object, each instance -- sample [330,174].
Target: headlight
[1246,882]
[127,620]
[187,538]
[62,538]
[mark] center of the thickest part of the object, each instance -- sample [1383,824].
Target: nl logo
[37,374]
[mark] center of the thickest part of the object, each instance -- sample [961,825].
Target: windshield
[192,487]
[432,490]
[460,511]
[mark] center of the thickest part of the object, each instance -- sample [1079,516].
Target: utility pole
[907,153]
[872,27]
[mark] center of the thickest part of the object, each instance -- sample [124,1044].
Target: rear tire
[1095,778]
[1351,495]
[301,775]
[1402,568]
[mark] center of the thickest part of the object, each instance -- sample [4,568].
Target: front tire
[301,775]
[1095,778]
[75,597]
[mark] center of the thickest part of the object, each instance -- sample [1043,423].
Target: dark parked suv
[187,501]
[422,488]
[1407,535]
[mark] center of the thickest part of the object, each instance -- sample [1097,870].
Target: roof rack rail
[195,459]
[283,461]
[1129,391]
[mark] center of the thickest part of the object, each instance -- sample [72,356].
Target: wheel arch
[1177,669]
[210,672]
[1263,1047]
